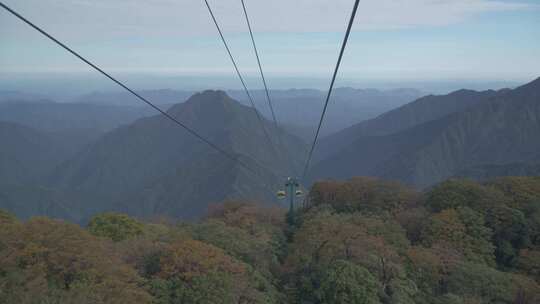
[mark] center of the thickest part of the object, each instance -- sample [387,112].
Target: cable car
[281,194]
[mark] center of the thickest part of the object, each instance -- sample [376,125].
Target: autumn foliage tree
[360,241]
[458,231]
[58,262]
[364,194]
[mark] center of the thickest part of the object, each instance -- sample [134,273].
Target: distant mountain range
[71,160]
[301,109]
[121,98]
[76,125]
[298,109]
[17,96]
[437,137]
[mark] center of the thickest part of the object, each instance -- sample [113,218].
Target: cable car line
[261,120]
[259,63]
[167,115]
[225,153]
[268,99]
[336,70]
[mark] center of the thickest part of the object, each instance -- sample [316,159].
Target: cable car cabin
[281,194]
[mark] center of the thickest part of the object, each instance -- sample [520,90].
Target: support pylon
[291,185]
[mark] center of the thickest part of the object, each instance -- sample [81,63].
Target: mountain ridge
[422,110]
[495,131]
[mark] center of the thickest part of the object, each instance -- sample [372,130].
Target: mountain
[33,200]
[294,107]
[154,165]
[74,124]
[302,108]
[17,96]
[422,110]
[159,97]
[27,157]
[498,130]
[26,154]
[57,117]
[204,180]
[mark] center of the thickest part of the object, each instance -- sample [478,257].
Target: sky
[392,40]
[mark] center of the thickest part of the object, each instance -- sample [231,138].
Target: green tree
[209,288]
[480,281]
[532,218]
[427,268]
[519,191]
[510,233]
[6,217]
[262,249]
[369,242]
[529,262]
[114,226]
[464,230]
[454,193]
[344,282]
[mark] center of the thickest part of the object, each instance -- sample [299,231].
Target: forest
[365,240]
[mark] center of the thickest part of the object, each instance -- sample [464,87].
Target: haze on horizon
[155,44]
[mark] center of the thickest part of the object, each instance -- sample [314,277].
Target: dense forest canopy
[361,241]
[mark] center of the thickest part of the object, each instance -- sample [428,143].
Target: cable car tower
[292,191]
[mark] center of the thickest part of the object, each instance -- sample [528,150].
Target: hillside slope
[26,154]
[499,130]
[420,111]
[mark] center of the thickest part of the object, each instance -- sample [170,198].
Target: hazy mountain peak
[211,98]
[210,103]
[210,95]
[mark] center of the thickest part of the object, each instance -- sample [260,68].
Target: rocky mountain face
[497,129]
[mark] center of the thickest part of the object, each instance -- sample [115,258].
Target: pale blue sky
[393,40]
